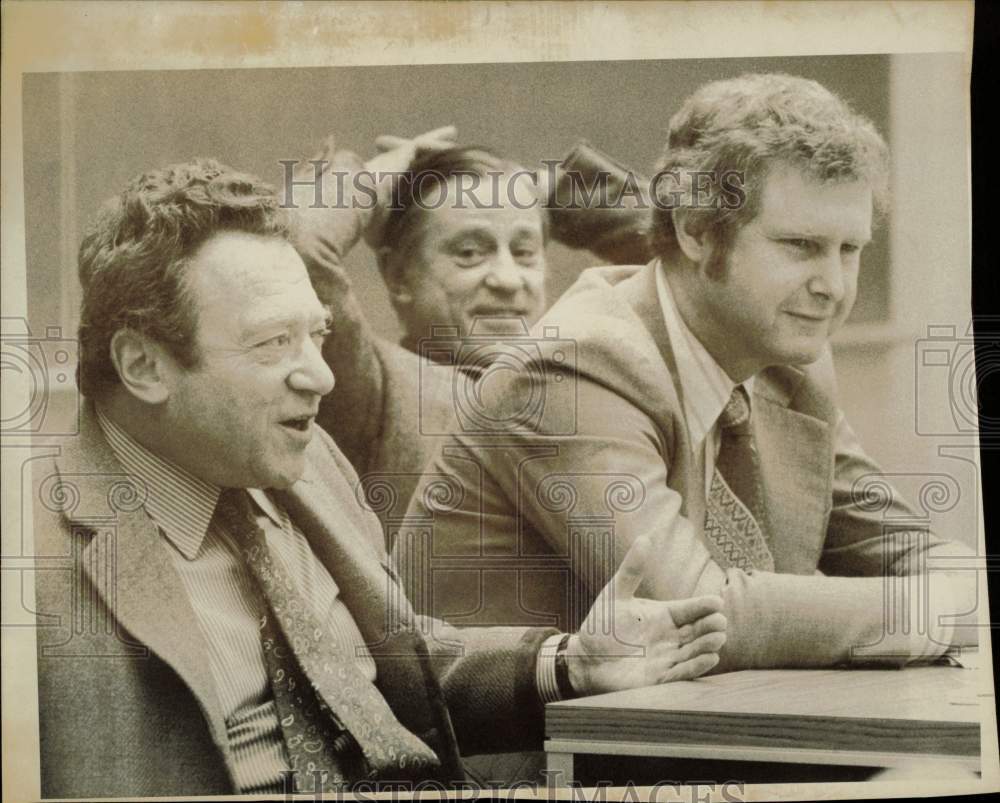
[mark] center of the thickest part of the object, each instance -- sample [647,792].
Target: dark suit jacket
[127,704]
[605,457]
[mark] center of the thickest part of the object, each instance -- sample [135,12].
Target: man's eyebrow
[809,234]
[285,320]
[794,233]
[527,231]
[480,233]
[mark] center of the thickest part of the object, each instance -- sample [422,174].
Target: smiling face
[469,263]
[790,277]
[243,416]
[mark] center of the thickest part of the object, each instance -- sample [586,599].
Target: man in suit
[230,622]
[698,409]
[450,261]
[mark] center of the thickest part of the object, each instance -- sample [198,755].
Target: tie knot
[235,513]
[737,411]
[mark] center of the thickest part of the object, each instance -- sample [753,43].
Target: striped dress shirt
[227,602]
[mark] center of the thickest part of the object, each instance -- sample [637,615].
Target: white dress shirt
[705,387]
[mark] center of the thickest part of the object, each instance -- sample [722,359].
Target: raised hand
[324,233]
[627,641]
[395,155]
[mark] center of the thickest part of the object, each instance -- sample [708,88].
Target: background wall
[86,134]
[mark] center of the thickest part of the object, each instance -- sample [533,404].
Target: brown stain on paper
[254,31]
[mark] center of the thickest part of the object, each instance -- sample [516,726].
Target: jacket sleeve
[486,675]
[601,205]
[590,487]
[352,413]
[488,678]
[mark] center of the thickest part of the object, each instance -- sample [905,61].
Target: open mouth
[299,424]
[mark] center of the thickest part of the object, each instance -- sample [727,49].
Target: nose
[828,279]
[311,374]
[505,275]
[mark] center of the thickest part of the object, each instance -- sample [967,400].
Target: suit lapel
[641,293]
[325,509]
[795,454]
[794,447]
[125,561]
[333,522]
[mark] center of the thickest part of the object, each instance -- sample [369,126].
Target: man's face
[468,263]
[791,274]
[246,413]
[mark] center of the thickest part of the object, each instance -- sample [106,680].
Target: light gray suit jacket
[553,503]
[127,703]
[387,412]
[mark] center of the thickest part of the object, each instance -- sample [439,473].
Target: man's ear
[143,365]
[394,275]
[694,244]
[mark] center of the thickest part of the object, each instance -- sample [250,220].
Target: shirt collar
[267,506]
[705,387]
[179,503]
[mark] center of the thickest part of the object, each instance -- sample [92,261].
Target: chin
[285,479]
[796,353]
[801,348]
[503,327]
[805,356]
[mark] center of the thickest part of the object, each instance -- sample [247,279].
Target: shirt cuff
[545,670]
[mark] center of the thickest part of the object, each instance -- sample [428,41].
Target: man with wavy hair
[702,413]
[231,622]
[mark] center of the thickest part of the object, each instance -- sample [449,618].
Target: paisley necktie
[299,649]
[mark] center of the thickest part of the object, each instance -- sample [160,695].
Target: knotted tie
[735,514]
[302,654]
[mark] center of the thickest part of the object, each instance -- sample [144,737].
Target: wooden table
[858,717]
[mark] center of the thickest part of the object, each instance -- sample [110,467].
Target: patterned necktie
[297,648]
[318,747]
[735,514]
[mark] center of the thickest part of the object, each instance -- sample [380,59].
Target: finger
[434,146]
[688,611]
[328,255]
[326,150]
[388,142]
[440,137]
[710,642]
[689,670]
[542,182]
[629,575]
[715,622]
[445,132]
[675,653]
